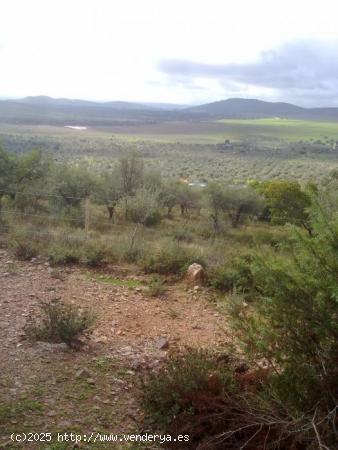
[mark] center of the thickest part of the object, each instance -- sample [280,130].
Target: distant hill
[44,100]
[64,111]
[246,107]
[243,108]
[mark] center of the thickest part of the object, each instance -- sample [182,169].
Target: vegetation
[175,389]
[290,328]
[59,323]
[269,248]
[301,151]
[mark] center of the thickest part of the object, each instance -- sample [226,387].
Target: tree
[109,191]
[31,178]
[287,202]
[143,207]
[217,202]
[169,196]
[72,184]
[241,201]
[130,169]
[131,172]
[7,173]
[187,198]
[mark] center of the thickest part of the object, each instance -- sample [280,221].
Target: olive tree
[216,198]
[32,175]
[109,191]
[144,207]
[7,173]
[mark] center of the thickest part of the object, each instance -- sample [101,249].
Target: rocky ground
[50,388]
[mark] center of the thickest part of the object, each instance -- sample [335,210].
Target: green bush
[156,287]
[182,235]
[127,250]
[236,274]
[293,322]
[25,249]
[175,388]
[94,253]
[64,252]
[24,243]
[143,207]
[153,218]
[59,322]
[170,258]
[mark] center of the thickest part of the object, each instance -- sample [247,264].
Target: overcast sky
[177,51]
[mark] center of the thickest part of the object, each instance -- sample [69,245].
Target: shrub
[153,218]
[293,322]
[236,274]
[24,249]
[93,254]
[65,252]
[59,322]
[170,258]
[24,243]
[156,287]
[176,387]
[182,235]
[143,207]
[221,404]
[128,250]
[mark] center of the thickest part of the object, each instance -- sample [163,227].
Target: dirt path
[45,387]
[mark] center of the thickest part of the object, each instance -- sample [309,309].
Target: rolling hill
[242,107]
[64,111]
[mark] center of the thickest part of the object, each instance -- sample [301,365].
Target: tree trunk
[216,222]
[235,218]
[111,212]
[170,208]
[308,228]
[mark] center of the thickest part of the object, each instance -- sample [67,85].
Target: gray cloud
[306,71]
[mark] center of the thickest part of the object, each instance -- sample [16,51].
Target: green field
[259,149]
[286,129]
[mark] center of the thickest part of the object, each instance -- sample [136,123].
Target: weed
[156,287]
[176,387]
[59,322]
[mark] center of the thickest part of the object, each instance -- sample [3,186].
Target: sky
[174,51]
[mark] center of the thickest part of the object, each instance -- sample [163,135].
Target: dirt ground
[49,388]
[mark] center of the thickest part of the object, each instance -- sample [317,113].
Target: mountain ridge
[44,109]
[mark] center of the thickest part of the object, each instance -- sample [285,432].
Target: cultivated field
[257,149]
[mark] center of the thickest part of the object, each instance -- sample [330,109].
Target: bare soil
[50,388]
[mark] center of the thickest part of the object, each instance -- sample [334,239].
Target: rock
[65,424]
[195,273]
[47,346]
[84,373]
[101,339]
[162,343]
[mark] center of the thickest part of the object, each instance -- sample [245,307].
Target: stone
[162,343]
[195,273]
[83,373]
[101,339]
[49,347]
